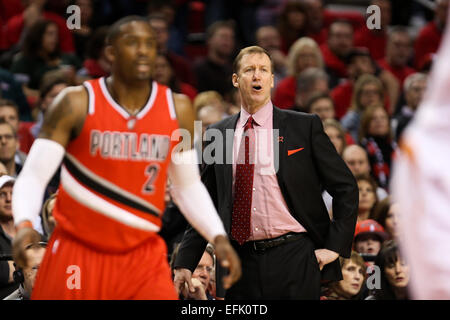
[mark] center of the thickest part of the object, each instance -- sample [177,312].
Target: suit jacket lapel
[228,145]
[279,140]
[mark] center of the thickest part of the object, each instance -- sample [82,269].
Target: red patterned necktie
[242,202]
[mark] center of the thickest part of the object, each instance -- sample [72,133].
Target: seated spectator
[7,233]
[368,92]
[336,49]
[48,221]
[10,89]
[414,89]
[375,39]
[398,52]
[40,53]
[200,277]
[82,34]
[394,274]
[311,81]
[367,196]
[96,64]
[164,73]
[336,133]
[52,84]
[360,63]
[353,274]
[369,236]
[357,161]
[25,275]
[322,105]
[386,214]
[304,54]
[9,112]
[212,98]
[35,10]
[215,71]
[429,38]
[376,138]
[293,23]
[181,66]
[209,115]
[317,29]
[268,37]
[9,144]
[203,273]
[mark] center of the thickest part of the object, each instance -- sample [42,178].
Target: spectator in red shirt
[375,39]
[429,37]
[34,11]
[359,63]
[317,29]
[304,53]
[337,48]
[293,23]
[398,53]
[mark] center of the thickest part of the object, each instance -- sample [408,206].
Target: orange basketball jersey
[114,173]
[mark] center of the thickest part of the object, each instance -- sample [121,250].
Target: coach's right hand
[24,237]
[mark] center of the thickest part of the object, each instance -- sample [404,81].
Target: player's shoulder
[74,94]
[74,100]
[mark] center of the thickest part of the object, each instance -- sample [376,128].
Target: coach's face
[254,79]
[133,53]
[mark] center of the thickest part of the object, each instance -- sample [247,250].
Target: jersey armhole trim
[91,97]
[171,104]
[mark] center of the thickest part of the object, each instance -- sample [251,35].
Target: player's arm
[63,120]
[193,199]
[185,113]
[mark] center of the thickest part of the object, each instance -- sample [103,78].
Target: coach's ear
[234,79]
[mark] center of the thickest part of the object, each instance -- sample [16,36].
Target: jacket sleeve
[193,244]
[4,273]
[338,180]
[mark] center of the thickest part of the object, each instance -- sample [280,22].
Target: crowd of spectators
[365,85]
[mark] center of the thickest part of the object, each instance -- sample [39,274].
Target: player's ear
[109,53]
[234,79]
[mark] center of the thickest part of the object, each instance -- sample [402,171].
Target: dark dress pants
[289,272]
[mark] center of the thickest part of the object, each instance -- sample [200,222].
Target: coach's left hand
[325,256]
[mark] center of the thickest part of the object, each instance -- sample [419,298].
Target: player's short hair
[115,30]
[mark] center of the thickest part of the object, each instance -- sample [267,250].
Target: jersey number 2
[151,172]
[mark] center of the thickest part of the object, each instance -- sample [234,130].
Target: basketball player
[114,138]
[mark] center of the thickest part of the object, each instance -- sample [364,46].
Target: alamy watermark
[74,19]
[373,17]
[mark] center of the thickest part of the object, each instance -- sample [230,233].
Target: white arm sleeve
[42,162]
[191,196]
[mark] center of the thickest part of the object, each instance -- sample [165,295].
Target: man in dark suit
[274,211]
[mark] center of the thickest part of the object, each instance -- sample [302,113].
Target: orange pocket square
[291,152]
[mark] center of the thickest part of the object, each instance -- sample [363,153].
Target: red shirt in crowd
[284,96]
[14,27]
[342,97]
[333,62]
[400,73]
[427,41]
[375,41]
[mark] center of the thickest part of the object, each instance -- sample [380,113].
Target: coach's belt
[261,245]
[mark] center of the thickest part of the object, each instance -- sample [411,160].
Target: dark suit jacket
[302,176]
